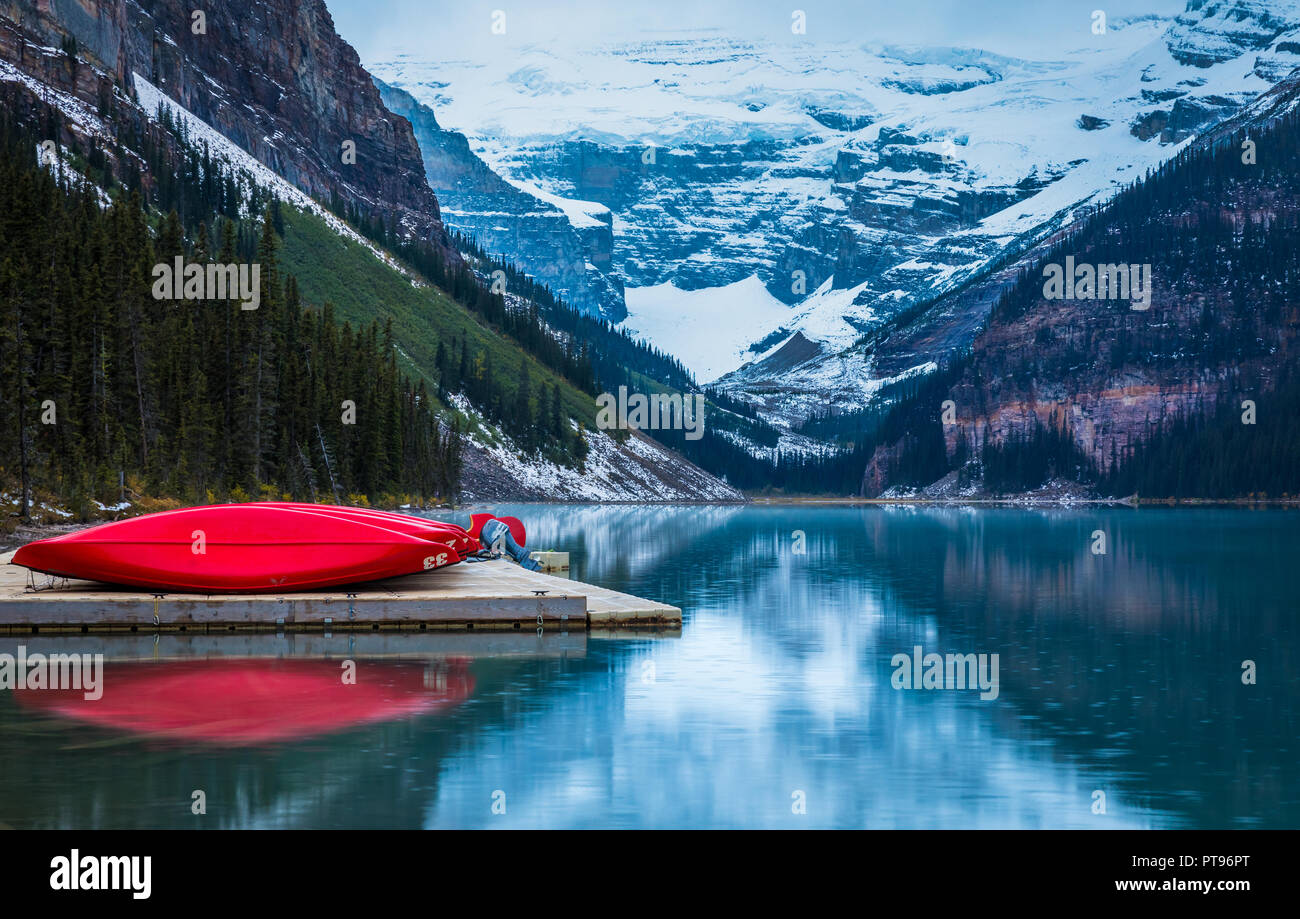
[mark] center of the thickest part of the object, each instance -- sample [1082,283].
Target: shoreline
[25,533]
[1040,502]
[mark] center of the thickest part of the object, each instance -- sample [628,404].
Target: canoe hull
[235,549]
[432,530]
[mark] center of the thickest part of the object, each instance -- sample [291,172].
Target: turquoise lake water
[1120,686]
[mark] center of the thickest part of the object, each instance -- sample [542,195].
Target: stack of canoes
[265,547]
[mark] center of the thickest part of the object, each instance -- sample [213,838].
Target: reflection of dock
[481,595]
[350,645]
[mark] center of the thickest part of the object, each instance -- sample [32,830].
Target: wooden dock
[433,644]
[491,595]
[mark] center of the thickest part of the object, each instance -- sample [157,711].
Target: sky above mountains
[380,29]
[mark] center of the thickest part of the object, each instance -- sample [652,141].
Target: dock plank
[487,594]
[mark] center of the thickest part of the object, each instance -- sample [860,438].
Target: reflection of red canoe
[235,548]
[242,702]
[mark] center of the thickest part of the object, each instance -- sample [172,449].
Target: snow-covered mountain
[851,180]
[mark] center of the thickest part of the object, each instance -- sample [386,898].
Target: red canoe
[238,548]
[433,530]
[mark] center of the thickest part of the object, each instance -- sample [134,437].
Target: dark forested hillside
[116,391]
[587,351]
[1153,400]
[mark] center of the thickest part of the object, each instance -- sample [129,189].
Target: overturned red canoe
[433,530]
[239,548]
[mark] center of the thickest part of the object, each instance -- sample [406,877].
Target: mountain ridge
[1079,388]
[899,185]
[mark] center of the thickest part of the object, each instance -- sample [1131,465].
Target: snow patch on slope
[638,470]
[582,214]
[66,169]
[235,156]
[825,315]
[83,118]
[708,330]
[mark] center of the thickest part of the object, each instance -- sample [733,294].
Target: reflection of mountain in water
[1127,665]
[1134,656]
[1119,672]
[616,542]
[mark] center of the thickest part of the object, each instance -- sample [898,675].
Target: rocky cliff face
[100,28]
[77,93]
[276,78]
[571,252]
[97,111]
[273,77]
